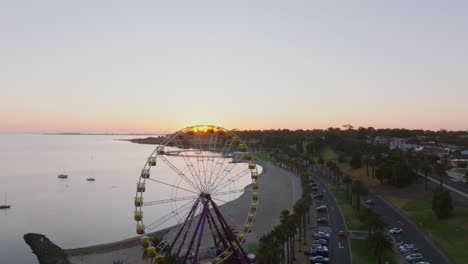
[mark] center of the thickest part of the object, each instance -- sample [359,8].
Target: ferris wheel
[183,193]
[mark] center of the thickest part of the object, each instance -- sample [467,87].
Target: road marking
[400,222]
[339,245]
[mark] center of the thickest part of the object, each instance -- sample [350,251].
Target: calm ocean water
[72,212]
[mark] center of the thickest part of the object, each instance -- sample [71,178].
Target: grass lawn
[350,215]
[451,235]
[363,255]
[264,155]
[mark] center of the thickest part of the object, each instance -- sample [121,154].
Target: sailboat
[5,206]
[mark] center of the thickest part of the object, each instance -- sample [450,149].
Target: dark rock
[46,251]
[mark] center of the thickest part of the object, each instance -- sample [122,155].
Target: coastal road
[338,247]
[411,233]
[454,186]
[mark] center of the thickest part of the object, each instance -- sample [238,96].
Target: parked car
[341,233]
[395,230]
[322,235]
[322,208]
[321,241]
[410,251]
[322,221]
[319,251]
[417,259]
[318,259]
[314,184]
[318,196]
[407,251]
[423,262]
[401,243]
[414,257]
[406,246]
[315,189]
[370,202]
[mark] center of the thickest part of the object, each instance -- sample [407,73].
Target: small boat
[5,206]
[90,179]
[62,176]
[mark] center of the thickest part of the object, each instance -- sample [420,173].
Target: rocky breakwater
[46,251]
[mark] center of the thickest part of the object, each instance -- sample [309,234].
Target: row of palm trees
[279,245]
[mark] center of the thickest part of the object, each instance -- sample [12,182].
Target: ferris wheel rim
[164,144]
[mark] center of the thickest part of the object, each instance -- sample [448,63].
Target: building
[458,163]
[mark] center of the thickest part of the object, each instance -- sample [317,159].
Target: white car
[319,259]
[395,230]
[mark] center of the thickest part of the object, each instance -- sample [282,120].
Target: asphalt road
[411,234]
[338,246]
[450,184]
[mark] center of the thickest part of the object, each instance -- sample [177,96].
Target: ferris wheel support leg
[191,213]
[197,250]
[200,221]
[225,225]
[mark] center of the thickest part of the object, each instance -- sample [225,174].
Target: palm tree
[439,170]
[321,162]
[291,227]
[358,188]
[376,222]
[379,242]
[311,161]
[347,181]
[330,165]
[373,163]
[425,168]
[338,173]
[284,219]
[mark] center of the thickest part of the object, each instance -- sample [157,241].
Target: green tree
[376,222]
[284,219]
[373,163]
[379,242]
[311,161]
[347,181]
[358,189]
[425,168]
[440,170]
[356,160]
[442,203]
[330,164]
[321,161]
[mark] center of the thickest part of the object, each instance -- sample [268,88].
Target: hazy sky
[142,66]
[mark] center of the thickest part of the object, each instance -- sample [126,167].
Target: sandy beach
[279,189]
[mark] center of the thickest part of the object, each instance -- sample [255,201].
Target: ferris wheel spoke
[227,192]
[199,157]
[170,200]
[226,168]
[188,161]
[172,185]
[220,177]
[217,162]
[229,180]
[181,174]
[169,216]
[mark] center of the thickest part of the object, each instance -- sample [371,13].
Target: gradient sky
[147,66]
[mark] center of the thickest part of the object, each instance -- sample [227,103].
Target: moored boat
[62,176]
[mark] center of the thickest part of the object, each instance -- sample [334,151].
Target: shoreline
[134,241]
[273,180]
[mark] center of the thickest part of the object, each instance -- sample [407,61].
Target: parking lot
[331,222]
